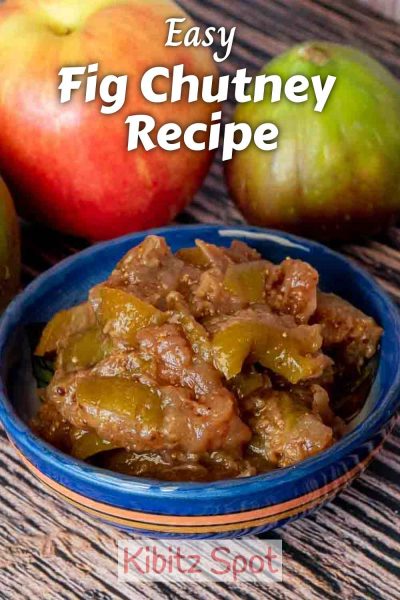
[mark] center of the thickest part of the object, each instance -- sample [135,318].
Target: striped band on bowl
[191,524]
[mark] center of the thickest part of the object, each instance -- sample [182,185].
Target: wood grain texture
[389,8]
[350,549]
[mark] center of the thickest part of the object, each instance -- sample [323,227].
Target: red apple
[67,165]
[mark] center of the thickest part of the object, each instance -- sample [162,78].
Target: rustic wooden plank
[389,8]
[350,548]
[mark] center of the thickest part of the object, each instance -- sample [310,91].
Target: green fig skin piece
[10,251]
[336,173]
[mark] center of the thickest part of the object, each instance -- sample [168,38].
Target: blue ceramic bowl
[226,508]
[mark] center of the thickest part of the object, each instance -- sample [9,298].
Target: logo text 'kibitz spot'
[216,560]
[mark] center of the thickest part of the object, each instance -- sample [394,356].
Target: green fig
[10,252]
[335,173]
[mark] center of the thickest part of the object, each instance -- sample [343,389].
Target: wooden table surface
[350,548]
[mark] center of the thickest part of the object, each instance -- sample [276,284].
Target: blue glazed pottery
[225,508]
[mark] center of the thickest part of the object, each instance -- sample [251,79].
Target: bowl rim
[66,464]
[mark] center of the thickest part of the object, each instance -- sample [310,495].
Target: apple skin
[67,165]
[10,252]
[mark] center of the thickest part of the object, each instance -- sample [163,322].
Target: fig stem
[315,54]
